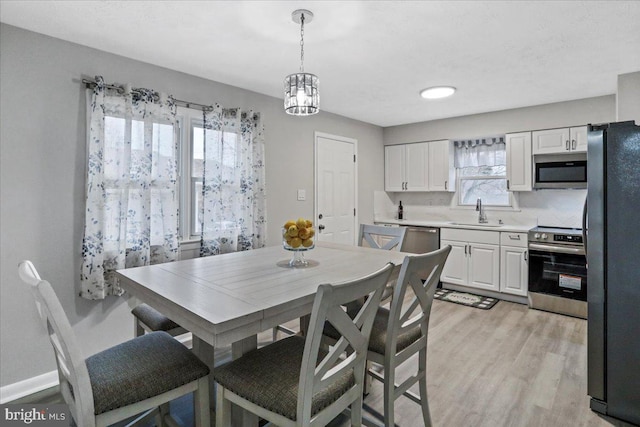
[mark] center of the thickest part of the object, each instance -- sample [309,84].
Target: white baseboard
[33,385]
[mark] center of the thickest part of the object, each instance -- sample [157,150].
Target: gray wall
[549,116]
[43,176]
[628,99]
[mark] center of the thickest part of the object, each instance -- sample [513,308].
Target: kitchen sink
[475,224]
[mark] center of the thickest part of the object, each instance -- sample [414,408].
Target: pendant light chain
[302,43]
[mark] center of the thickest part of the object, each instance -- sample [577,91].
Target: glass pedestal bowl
[297,259]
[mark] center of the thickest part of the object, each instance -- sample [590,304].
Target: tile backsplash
[553,208]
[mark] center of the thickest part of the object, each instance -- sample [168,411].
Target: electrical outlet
[302,195]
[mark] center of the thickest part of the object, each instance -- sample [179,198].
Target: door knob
[321,227]
[320,216]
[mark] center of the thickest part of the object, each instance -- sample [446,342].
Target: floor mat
[464,298]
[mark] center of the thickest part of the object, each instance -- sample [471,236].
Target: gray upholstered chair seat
[269,377]
[155,320]
[140,369]
[378,338]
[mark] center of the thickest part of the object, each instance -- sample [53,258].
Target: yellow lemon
[289,224]
[295,242]
[301,223]
[309,224]
[312,232]
[304,233]
[307,242]
[293,231]
[288,239]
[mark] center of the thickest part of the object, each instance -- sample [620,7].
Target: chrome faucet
[482,217]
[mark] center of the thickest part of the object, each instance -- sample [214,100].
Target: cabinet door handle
[445,186]
[567,145]
[512,237]
[465,250]
[526,257]
[507,184]
[469,250]
[573,144]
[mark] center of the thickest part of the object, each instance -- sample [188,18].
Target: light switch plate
[302,195]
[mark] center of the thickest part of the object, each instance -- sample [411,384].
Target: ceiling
[372,57]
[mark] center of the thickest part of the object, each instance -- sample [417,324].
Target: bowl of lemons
[297,236]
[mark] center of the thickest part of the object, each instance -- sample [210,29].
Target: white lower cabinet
[474,259]
[489,260]
[514,264]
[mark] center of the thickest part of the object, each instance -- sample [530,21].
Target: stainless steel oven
[558,271]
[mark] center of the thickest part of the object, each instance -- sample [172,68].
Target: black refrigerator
[613,269]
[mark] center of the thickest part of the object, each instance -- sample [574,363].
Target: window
[481,172]
[231,159]
[488,183]
[226,161]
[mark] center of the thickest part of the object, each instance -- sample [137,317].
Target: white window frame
[187,119]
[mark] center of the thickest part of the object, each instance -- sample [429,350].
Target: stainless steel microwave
[560,171]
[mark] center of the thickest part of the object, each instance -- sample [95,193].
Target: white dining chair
[382,237]
[124,381]
[294,382]
[401,331]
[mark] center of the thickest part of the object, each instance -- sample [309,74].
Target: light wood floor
[507,366]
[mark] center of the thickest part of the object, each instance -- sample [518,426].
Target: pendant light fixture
[301,96]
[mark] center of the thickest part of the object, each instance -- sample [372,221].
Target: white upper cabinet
[417,161]
[421,166]
[394,167]
[405,167]
[578,139]
[442,175]
[519,169]
[558,141]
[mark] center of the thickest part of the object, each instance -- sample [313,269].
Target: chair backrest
[394,236]
[73,375]
[30,276]
[328,306]
[421,273]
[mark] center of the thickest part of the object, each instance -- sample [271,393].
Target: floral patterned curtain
[131,207]
[233,211]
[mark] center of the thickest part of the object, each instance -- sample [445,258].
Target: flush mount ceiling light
[301,96]
[437,92]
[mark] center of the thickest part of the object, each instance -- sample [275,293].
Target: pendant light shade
[301,95]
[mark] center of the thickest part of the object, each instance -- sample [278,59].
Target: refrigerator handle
[585,212]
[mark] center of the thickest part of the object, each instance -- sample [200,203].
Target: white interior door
[335,204]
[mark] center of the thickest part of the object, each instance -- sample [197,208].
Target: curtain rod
[90,84]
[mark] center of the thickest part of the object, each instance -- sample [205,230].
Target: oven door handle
[556,249]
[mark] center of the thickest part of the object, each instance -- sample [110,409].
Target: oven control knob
[536,236]
[544,236]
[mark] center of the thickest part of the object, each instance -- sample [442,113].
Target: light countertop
[491,226]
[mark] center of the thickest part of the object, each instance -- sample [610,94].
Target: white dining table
[228,299]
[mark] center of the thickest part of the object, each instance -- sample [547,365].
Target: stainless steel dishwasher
[420,240]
